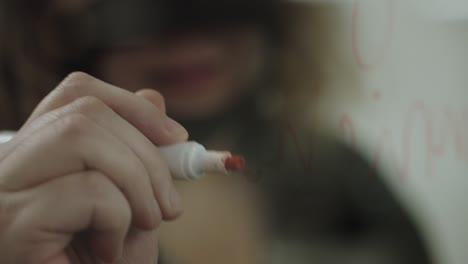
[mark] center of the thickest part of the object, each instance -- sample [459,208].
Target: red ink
[361,62]
[449,126]
[377,95]
[435,144]
[346,124]
[456,122]
[433,149]
[234,163]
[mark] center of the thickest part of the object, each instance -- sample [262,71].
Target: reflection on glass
[239,75]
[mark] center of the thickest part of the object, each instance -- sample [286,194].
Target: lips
[189,78]
[188,65]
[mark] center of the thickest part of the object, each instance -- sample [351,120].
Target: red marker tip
[234,163]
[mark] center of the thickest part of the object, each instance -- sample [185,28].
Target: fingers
[68,205]
[154,97]
[158,100]
[145,151]
[97,110]
[156,169]
[76,143]
[159,175]
[138,111]
[102,138]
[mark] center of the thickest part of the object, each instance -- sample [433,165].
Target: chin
[194,113]
[193,110]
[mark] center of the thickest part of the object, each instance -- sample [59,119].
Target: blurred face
[200,74]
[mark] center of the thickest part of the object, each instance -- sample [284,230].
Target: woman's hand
[82,181]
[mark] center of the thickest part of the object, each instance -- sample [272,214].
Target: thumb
[154,97]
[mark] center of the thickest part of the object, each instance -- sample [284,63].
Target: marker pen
[187,160]
[190,160]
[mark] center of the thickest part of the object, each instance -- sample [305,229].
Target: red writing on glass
[387,31]
[436,130]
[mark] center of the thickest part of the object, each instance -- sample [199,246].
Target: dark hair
[25,59]
[43,44]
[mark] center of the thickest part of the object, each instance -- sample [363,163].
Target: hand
[83,181]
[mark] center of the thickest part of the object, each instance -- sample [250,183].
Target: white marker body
[190,160]
[5,136]
[186,161]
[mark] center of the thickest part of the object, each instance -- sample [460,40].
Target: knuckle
[96,184]
[101,190]
[160,180]
[159,171]
[79,77]
[74,81]
[148,108]
[90,104]
[157,96]
[125,213]
[72,126]
[121,221]
[159,100]
[123,216]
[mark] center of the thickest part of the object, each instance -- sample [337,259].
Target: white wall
[411,58]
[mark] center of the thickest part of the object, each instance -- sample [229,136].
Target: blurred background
[411,60]
[353,116]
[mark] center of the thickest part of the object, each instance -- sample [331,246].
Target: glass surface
[351,116]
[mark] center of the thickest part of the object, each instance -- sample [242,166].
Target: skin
[237,213]
[199,74]
[83,181]
[102,165]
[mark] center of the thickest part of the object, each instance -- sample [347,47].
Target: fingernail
[175,129]
[176,201]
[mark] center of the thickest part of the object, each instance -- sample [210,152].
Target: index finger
[139,112]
